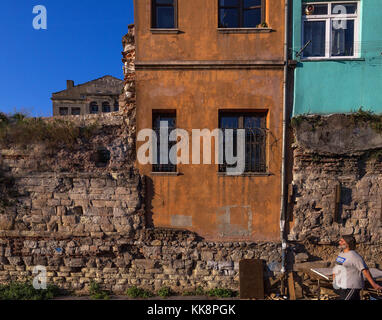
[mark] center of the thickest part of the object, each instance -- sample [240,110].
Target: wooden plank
[291,288]
[251,275]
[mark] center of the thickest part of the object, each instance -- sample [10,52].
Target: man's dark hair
[350,240]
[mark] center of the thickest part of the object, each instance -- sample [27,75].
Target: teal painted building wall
[342,85]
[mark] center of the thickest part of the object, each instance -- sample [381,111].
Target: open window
[164,14]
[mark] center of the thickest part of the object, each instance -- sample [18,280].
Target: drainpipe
[284,151]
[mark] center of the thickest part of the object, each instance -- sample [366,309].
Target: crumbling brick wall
[337,180]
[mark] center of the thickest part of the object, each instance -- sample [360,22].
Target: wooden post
[291,288]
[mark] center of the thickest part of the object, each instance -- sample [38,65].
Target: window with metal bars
[164,14]
[254,125]
[168,120]
[241,13]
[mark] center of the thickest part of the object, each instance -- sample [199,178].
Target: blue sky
[82,42]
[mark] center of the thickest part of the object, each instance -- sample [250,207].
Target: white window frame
[328,18]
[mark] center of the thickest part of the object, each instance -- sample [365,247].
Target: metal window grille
[255,140]
[170,118]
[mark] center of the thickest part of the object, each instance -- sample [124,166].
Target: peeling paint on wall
[234,221]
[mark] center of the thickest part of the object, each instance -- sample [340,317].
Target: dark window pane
[314,31]
[106,107]
[229,3]
[94,107]
[63,111]
[165,17]
[316,9]
[251,3]
[252,18]
[229,18]
[116,106]
[342,38]
[344,8]
[169,2]
[170,120]
[254,122]
[229,122]
[76,111]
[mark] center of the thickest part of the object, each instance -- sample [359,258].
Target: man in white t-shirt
[349,271]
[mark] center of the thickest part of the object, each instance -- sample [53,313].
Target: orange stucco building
[214,64]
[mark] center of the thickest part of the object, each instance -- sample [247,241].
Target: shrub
[96,293]
[22,131]
[26,291]
[165,292]
[221,293]
[135,292]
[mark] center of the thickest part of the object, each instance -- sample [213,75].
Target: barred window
[168,121]
[241,13]
[254,125]
[164,14]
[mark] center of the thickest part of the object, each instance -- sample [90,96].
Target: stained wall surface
[197,72]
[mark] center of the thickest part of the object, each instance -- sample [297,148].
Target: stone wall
[84,219]
[152,259]
[337,179]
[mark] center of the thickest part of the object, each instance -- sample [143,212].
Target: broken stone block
[6,222]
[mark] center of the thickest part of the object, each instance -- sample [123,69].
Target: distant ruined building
[93,97]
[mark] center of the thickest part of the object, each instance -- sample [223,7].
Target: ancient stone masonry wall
[151,259]
[337,178]
[79,212]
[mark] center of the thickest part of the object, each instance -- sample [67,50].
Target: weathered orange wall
[199,38]
[201,200]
